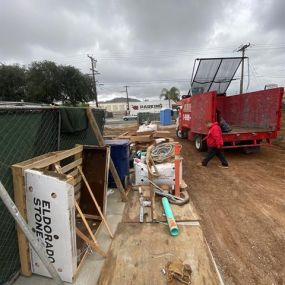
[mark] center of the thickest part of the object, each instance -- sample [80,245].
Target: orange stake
[177,159]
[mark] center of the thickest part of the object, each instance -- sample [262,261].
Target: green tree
[12,82]
[43,82]
[172,94]
[76,87]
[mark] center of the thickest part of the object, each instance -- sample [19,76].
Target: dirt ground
[243,211]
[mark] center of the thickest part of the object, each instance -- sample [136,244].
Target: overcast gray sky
[146,44]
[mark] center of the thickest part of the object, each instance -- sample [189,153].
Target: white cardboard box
[51,216]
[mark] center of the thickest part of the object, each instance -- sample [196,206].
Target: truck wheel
[200,145]
[181,134]
[125,119]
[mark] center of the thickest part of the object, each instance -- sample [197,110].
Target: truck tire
[181,134]
[125,119]
[200,145]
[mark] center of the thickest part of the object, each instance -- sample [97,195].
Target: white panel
[50,212]
[166,171]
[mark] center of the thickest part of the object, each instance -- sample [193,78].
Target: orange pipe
[177,159]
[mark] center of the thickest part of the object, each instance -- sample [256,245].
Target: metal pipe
[162,193]
[28,233]
[174,231]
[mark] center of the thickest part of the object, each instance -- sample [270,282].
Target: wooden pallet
[69,163]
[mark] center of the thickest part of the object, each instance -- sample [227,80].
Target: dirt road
[243,212]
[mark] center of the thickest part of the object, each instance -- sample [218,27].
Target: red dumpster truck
[254,118]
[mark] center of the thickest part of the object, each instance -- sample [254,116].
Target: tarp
[73,120]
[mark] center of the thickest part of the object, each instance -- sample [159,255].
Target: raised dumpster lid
[214,74]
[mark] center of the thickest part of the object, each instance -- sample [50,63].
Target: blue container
[165,117]
[120,154]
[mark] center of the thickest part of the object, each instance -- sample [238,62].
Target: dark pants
[213,151]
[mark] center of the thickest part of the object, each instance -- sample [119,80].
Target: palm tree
[172,94]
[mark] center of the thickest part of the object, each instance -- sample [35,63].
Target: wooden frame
[74,175]
[100,139]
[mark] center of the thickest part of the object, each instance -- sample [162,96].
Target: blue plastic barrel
[120,154]
[165,116]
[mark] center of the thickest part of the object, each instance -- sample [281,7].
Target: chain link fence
[24,134]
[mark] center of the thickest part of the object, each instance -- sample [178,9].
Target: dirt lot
[243,212]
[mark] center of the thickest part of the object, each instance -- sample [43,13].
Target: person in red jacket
[215,142]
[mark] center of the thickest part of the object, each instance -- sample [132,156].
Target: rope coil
[163,152]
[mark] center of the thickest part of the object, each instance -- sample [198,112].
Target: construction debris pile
[157,171]
[62,193]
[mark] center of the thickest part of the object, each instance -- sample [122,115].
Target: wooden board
[145,133]
[139,252]
[20,201]
[141,138]
[186,212]
[96,168]
[162,134]
[101,142]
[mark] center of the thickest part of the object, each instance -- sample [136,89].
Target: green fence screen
[26,133]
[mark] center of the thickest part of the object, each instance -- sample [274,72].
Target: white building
[153,106]
[114,107]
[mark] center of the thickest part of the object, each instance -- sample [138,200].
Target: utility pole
[128,104]
[242,49]
[94,72]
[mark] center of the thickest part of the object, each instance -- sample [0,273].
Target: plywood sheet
[186,212]
[139,252]
[96,169]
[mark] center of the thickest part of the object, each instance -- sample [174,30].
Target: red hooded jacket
[214,137]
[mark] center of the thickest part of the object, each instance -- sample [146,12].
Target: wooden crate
[68,162]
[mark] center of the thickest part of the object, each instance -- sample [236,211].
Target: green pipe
[174,231]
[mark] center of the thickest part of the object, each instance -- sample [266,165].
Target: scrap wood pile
[157,171]
[145,136]
[158,193]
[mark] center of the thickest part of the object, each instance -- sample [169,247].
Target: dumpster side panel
[203,107]
[260,109]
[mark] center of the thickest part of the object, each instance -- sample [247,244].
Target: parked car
[130,117]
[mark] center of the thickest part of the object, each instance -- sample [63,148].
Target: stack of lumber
[147,136]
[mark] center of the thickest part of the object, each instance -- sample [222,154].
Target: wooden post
[101,142]
[20,201]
